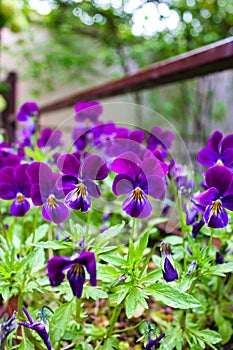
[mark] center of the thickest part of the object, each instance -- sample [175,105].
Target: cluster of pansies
[210,206]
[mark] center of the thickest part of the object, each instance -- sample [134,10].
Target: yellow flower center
[78,269]
[81,190]
[219,162]
[20,197]
[217,206]
[137,194]
[87,122]
[159,148]
[52,201]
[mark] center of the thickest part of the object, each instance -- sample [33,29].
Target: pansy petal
[219,177]
[19,209]
[7,174]
[57,213]
[36,195]
[127,163]
[207,156]
[88,260]
[227,142]
[215,140]
[55,267]
[7,191]
[76,277]
[92,188]
[169,271]
[154,186]
[39,172]
[94,167]
[227,157]
[123,184]
[137,135]
[197,226]
[66,182]
[137,208]
[215,219]
[76,201]
[207,197]
[68,164]
[152,166]
[227,202]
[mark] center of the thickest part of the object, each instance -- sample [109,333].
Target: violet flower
[40,326]
[76,274]
[49,138]
[88,112]
[78,179]
[44,192]
[168,266]
[14,184]
[28,110]
[218,151]
[6,327]
[138,179]
[160,140]
[154,343]
[218,196]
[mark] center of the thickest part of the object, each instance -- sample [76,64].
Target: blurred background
[58,48]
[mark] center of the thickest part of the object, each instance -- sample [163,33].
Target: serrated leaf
[219,270]
[107,273]
[152,277]
[59,321]
[94,293]
[209,336]
[114,259]
[132,300]
[55,245]
[124,290]
[172,297]
[39,234]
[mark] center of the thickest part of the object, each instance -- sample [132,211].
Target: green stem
[35,225]
[78,310]
[88,222]
[128,328]
[132,233]
[114,318]
[210,240]
[146,262]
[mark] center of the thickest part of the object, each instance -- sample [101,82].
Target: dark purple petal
[137,135]
[197,226]
[227,142]
[191,215]
[19,207]
[88,110]
[154,186]
[39,172]
[67,182]
[78,199]
[123,184]
[56,213]
[68,164]
[207,156]
[207,197]
[92,188]
[88,260]
[216,218]
[22,180]
[94,167]
[127,163]
[154,344]
[55,267]
[7,191]
[10,159]
[7,175]
[152,166]
[27,110]
[227,157]
[49,138]
[76,277]
[215,141]
[169,271]
[227,202]
[219,177]
[137,205]
[37,197]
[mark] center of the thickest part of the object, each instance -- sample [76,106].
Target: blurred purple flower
[138,179]
[49,138]
[160,140]
[218,151]
[28,110]
[154,344]
[218,196]
[6,327]
[76,274]
[88,112]
[40,326]
[44,192]
[14,184]
[78,179]
[168,266]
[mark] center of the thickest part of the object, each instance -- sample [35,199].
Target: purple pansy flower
[49,138]
[154,343]
[44,192]
[40,326]
[218,151]
[76,274]
[14,184]
[160,140]
[138,179]
[28,110]
[78,179]
[88,112]
[218,196]
[168,266]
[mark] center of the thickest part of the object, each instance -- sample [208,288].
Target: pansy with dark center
[44,192]
[138,179]
[168,266]
[40,327]
[78,179]
[218,151]
[218,196]
[76,272]
[15,184]
[28,110]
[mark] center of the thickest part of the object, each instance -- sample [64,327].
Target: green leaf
[59,321]
[152,277]
[107,235]
[219,270]
[38,260]
[140,246]
[209,336]
[55,245]
[173,340]
[172,297]
[132,300]
[114,259]
[26,344]
[107,273]
[225,330]
[123,291]
[39,234]
[94,293]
